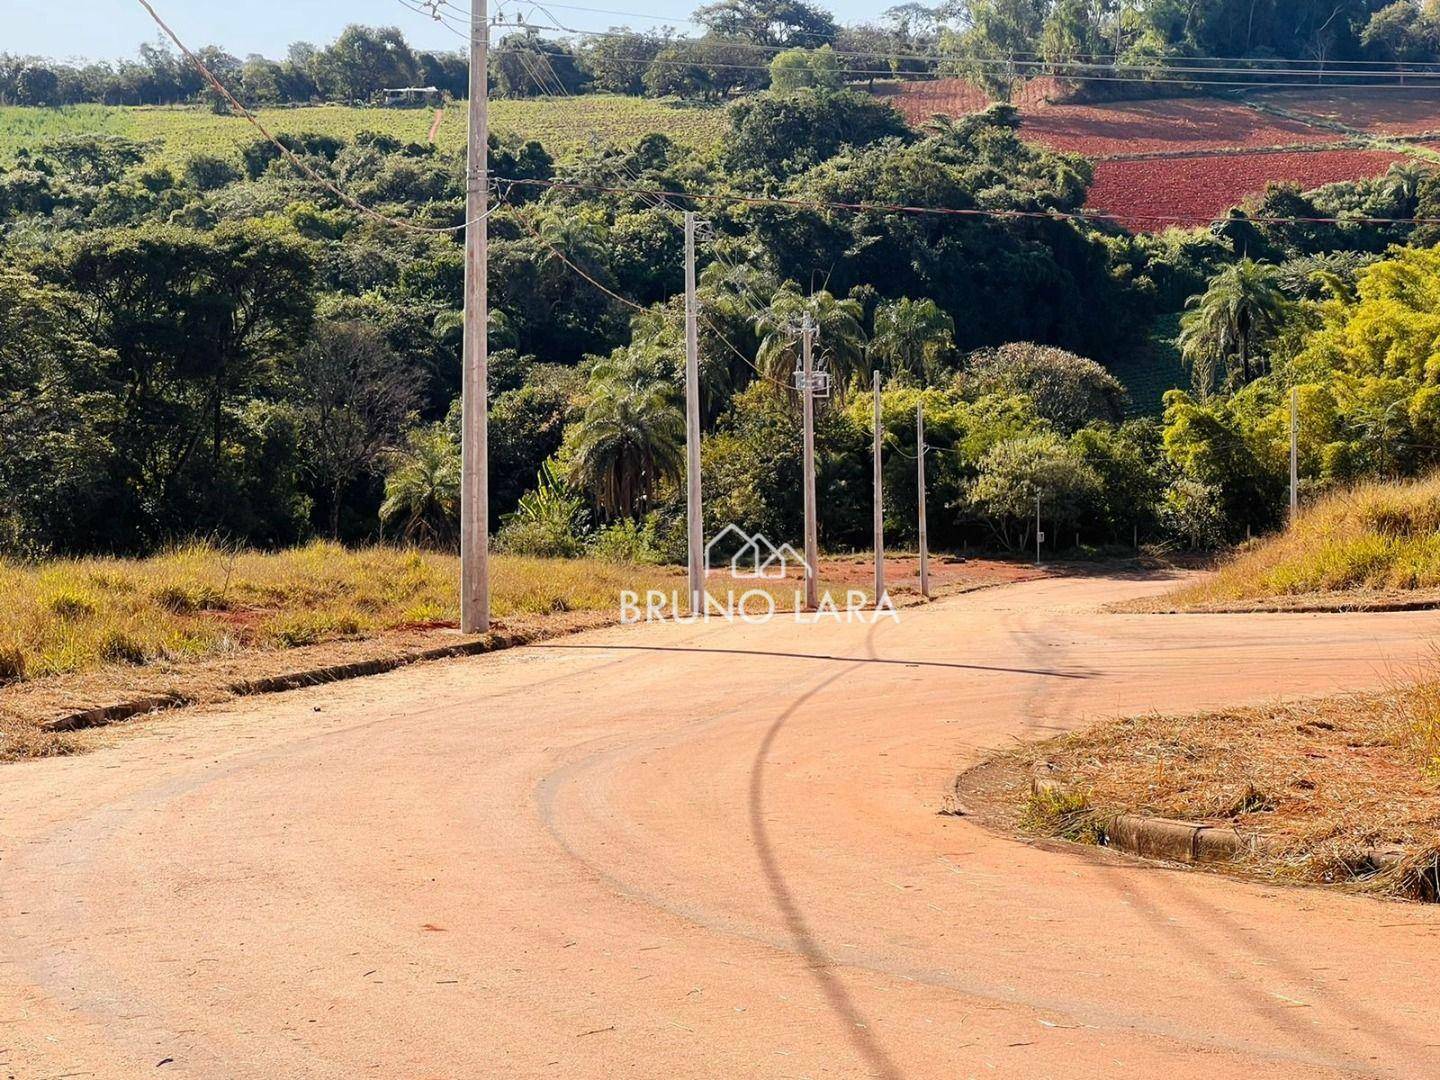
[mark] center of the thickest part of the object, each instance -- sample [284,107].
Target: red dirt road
[691,852]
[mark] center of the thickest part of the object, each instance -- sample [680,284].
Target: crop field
[1380,112]
[179,133]
[1166,124]
[919,101]
[1154,193]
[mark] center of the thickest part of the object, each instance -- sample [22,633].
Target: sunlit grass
[1374,537]
[179,133]
[201,600]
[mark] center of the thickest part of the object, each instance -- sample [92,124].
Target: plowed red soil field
[1172,124]
[1153,193]
[919,101]
[1383,112]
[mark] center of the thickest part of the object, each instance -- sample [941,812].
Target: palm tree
[840,345]
[912,337]
[631,439]
[423,489]
[1242,303]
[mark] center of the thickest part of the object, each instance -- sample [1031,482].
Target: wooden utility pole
[1294,452]
[920,483]
[879,501]
[807,411]
[474,456]
[693,519]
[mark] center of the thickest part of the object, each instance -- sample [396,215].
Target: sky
[110,29]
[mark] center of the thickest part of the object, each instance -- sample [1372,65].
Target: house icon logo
[755,556]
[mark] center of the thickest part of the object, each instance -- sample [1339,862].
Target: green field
[561,124]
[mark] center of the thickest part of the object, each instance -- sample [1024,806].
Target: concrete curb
[1189,842]
[274,684]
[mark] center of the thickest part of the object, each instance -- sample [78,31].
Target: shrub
[70,604]
[631,541]
[548,522]
[12,663]
[118,647]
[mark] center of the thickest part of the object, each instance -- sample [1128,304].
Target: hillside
[561,124]
[1184,160]
[1374,545]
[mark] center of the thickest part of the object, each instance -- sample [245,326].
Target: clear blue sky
[107,29]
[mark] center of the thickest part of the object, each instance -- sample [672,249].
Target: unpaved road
[691,852]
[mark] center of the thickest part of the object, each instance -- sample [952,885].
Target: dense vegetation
[218,345]
[748,45]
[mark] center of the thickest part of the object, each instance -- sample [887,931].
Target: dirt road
[690,852]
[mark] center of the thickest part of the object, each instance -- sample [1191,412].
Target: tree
[362,61]
[53,457]
[1018,472]
[784,134]
[194,324]
[805,69]
[913,339]
[1222,327]
[422,489]
[631,438]
[355,394]
[618,61]
[839,350]
[769,22]
[1068,390]
[528,65]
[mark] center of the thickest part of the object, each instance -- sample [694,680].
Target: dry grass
[1371,543]
[1321,784]
[202,601]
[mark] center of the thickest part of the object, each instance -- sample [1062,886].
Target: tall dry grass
[201,600]
[1372,537]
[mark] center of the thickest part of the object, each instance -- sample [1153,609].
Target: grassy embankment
[199,601]
[1371,545]
[560,124]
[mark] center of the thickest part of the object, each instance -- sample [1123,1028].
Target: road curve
[691,851]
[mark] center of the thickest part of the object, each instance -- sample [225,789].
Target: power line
[240,110]
[1061,68]
[979,212]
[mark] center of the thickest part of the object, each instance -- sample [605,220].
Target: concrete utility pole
[920,483]
[474,455]
[807,411]
[1039,536]
[1294,452]
[693,519]
[879,501]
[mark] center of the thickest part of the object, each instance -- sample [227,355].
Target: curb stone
[274,684]
[1189,842]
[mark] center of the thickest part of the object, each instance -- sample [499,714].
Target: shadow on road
[857,1028]
[1047,672]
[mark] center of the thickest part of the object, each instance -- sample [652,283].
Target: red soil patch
[1383,112]
[1168,124]
[919,101]
[1154,193]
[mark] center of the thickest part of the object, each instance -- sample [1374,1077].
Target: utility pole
[1039,536]
[474,435]
[807,411]
[920,483]
[693,520]
[879,502]
[1294,452]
